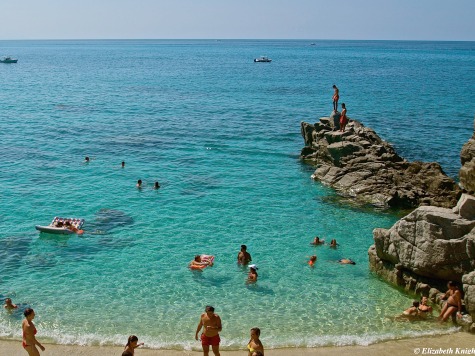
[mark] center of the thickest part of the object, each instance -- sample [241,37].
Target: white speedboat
[64,226]
[263,59]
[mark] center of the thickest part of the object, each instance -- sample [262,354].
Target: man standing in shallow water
[211,324]
[243,256]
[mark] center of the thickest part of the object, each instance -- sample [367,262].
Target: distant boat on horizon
[263,59]
[8,60]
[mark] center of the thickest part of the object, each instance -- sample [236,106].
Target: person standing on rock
[343,118]
[336,96]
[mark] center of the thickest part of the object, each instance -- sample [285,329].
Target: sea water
[222,136]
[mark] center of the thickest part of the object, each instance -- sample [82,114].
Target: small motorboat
[8,60]
[64,226]
[263,59]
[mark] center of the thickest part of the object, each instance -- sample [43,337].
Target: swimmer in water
[9,305]
[346,261]
[86,160]
[252,276]
[156,185]
[139,183]
[333,243]
[198,262]
[312,261]
[317,241]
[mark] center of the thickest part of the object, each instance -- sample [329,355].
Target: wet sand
[453,343]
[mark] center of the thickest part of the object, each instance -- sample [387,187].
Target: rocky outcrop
[359,164]
[432,245]
[427,248]
[467,172]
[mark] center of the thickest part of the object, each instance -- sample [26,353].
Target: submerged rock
[359,164]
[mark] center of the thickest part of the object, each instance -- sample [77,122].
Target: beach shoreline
[454,343]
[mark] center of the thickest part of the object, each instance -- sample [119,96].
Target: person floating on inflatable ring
[199,263]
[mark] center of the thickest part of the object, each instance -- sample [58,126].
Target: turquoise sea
[222,136]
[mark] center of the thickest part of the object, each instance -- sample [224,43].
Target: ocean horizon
[222,136]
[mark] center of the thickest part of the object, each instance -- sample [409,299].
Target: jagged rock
[359,164]
[467,172]
[469,291]
[465,207]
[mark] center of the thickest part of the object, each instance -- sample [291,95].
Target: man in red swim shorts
[211,325]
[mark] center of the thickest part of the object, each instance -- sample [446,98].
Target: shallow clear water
[222,136]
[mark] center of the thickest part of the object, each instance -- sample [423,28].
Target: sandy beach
[458,343]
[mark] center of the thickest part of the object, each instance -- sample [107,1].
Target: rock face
[359,164]
[432,245]
[467,172]
[427,248]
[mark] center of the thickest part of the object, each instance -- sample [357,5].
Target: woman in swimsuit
[424,309]
[29,332]
[336,96]
[132,344]
[454,302]
[252,276]
[255,345]
[343,118]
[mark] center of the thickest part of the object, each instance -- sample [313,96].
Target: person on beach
[453,303]
[9,305]
[198,262]
[132,344]
[343,118]
[255,345]
[312,261]
[257,353]
[29,332]
[317,241]
[252,275]
[139,183]
[333,243]
[156,185]
[336,96]
[210,323]
[424,309]
[243,256]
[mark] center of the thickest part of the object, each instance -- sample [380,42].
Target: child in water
[312,261]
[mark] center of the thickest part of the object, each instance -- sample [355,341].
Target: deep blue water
[222,135]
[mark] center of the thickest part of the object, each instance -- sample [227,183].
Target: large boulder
[431,242]
[427,248]
[359,164]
